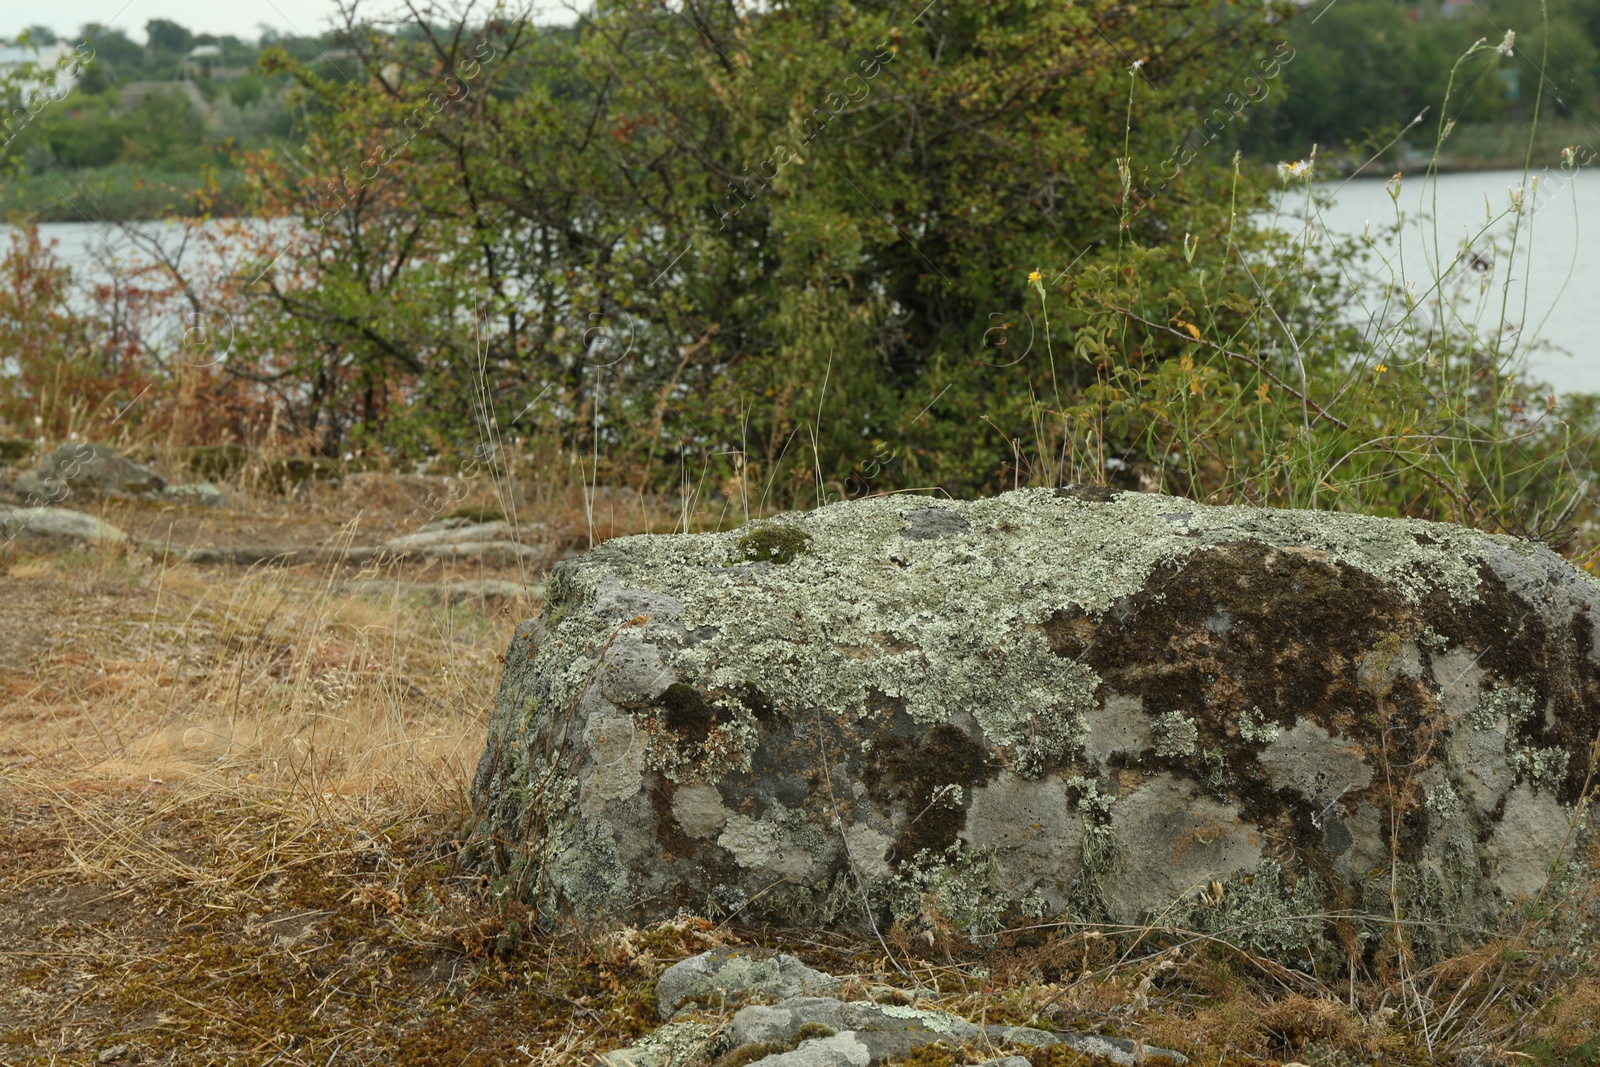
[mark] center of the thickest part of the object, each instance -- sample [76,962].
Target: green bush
[1000,262]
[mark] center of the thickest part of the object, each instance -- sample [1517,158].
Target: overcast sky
[243,18]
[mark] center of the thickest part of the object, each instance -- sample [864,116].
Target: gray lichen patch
[672,1045]
[591,874]
[1546,767]
[1505,707]
[1256,728]
[1444,803]
[693,739]
[727,976]
[1261,909]
[774,846]
[1175,735]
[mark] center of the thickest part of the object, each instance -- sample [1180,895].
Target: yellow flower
[1035,277]
[1382,368]
[1297,171]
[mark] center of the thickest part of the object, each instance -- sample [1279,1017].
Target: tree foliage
[798,235]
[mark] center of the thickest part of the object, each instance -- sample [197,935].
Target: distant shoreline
[126,194]
[1471,148]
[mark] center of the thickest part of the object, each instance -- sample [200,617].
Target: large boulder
[1108,706]
[85,467]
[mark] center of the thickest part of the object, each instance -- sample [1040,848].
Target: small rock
[1006,1061]
[1120,1050]
[725,974]
[890,1030]
[887,1030]
[1026,1036]
[452,531]
[115,1052]
[56,523]
[202,493]
[671,1045]
[840,1050]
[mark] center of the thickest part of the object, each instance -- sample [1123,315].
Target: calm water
[1557,261]
[1554,295]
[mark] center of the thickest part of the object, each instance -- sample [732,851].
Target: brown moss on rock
[932,776]
[1246,638]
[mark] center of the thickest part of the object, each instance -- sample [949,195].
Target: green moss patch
[774,544]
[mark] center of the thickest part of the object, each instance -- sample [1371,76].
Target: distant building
[203,59]
[55,68]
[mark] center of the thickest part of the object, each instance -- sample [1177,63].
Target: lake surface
[1553,301]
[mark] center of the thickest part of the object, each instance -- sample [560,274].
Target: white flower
[1137,65]
[1298,170]
[1517,195]
[1504,47]
[1567,155]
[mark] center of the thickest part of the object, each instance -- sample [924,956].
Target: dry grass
[230,807]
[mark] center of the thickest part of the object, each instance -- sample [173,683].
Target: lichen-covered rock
[56,524]
[724,974]
[836,1050]
[673,1045]
[86,467]
[890,1031]
[203,493]
[812,1031]
[1108,706]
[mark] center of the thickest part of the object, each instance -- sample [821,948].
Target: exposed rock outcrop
[1109,706]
